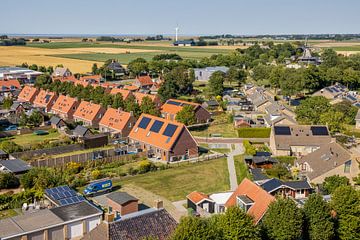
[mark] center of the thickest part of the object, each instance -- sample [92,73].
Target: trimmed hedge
[254,132]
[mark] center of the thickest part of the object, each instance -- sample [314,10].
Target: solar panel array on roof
[156,126]
[329,89]
[352,98]
[281,130]
[170,130]
[63,195]
[319,131]
[174,103]
[335,89]
[144,122]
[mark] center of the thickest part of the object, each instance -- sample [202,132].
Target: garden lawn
[30,139]
[83,151]
[254,132]
[8,213]
[241,169]
[177,182]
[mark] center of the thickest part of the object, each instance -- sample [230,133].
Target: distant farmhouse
[184,43]
[204,74]
[23,74]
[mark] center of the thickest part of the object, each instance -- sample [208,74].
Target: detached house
[89,113]
[251,198]
[61,72]
[298,140]
[117,122]
[293,189]
[7,86]
[45,100]
[28,94]
[124,93]
[65,106]
[144,82]
[330,159]
[172,106]
[163,139]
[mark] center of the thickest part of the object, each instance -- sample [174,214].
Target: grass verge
[241,169]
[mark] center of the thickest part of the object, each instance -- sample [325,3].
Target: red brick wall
[202,115]
[185,142]
[127,208]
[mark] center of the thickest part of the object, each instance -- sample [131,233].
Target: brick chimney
[159,204]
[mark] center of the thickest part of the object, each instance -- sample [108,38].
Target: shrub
[10,147]
[249,149]
[96,174]
[8,180]
[254,132]
[146,166]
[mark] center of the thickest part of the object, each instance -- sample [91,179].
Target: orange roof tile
[196,197]
[115,119]
[125,93]
[27,93]
[92,78]
[259,196]
[71,79]
[139,97]
[157,139]
[131,87]
[170,107]
[44,98]
[64,104]
[145,80]
[10,83]
[87,111]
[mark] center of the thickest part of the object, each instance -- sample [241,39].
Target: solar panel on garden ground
[319,131]
[156,126]
[174,103]
[144,122]
[281,130]
[170,130]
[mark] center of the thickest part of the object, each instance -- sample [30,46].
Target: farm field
[208,177]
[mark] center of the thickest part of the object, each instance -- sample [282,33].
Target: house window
[347,166]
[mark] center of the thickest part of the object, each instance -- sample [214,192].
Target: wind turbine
[176,33]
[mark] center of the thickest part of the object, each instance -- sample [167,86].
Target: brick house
[122,203]
[139,97]
[294,189]
[144,82]
[117,122]
[65,107]
[89,113]
[163,139]
[45,100]
[28,94]
[172,106]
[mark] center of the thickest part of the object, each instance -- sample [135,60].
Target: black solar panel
[281,130]
[335,89]
[156,126]
[329,89]
[170,130]
[144,122]
[319,131]
[174,103]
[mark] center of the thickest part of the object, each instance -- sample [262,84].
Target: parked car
[99,186]
[11,128]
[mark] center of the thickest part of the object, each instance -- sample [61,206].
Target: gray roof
[263,159]
[75,211]
[275,183]
[212,103]
[121,197]
[55,120]
[60,71]
[80,130]
[258,99]
[15,165]
[258,174]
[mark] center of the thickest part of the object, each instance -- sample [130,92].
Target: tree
[330,58]
[167,90]
[331,183]
[130,105]
[94,68]
[318,221]
[36,119]
[216,83]
[194,228]
[8,180]
[42,178]
[7,103]
[237,75]
[43,81]
[149,107]
[345,200]
[186,115]
[10,147]
[283,220]
[138,66]
[236,224]
[310,110]
[333,119]
[118,101]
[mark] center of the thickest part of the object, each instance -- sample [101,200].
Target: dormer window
[244,202]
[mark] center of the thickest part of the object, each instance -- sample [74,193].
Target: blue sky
[192,16]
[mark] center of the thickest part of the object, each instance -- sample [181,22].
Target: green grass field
[27,139]
[347,48]
[254,132]
[208,177]
[242,170]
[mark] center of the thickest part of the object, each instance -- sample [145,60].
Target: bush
[8,180]
[145,166]
[96,174]
[254,132]
[10,147]
[249,149]
[279,171]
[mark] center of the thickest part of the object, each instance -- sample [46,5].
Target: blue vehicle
[99,186]
[11,128]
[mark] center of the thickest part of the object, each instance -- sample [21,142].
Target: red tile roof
[115,119]
[145,80]
[92,78]
[197,197]
[71,79]
[44,98]
[27,93]
[125,93]
[87,111]
[259,196]
[10,83]
[139,97]
[64,104]
[157,139]
[131,87]
[174,109]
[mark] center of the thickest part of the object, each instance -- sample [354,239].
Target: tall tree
[194,228]
[138,66]
[7,103]
[331,183]
[319,223]
[310,109]
[186,115]
[149,107]
[236,75]
[216,83]
[330,58]
[283,220]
